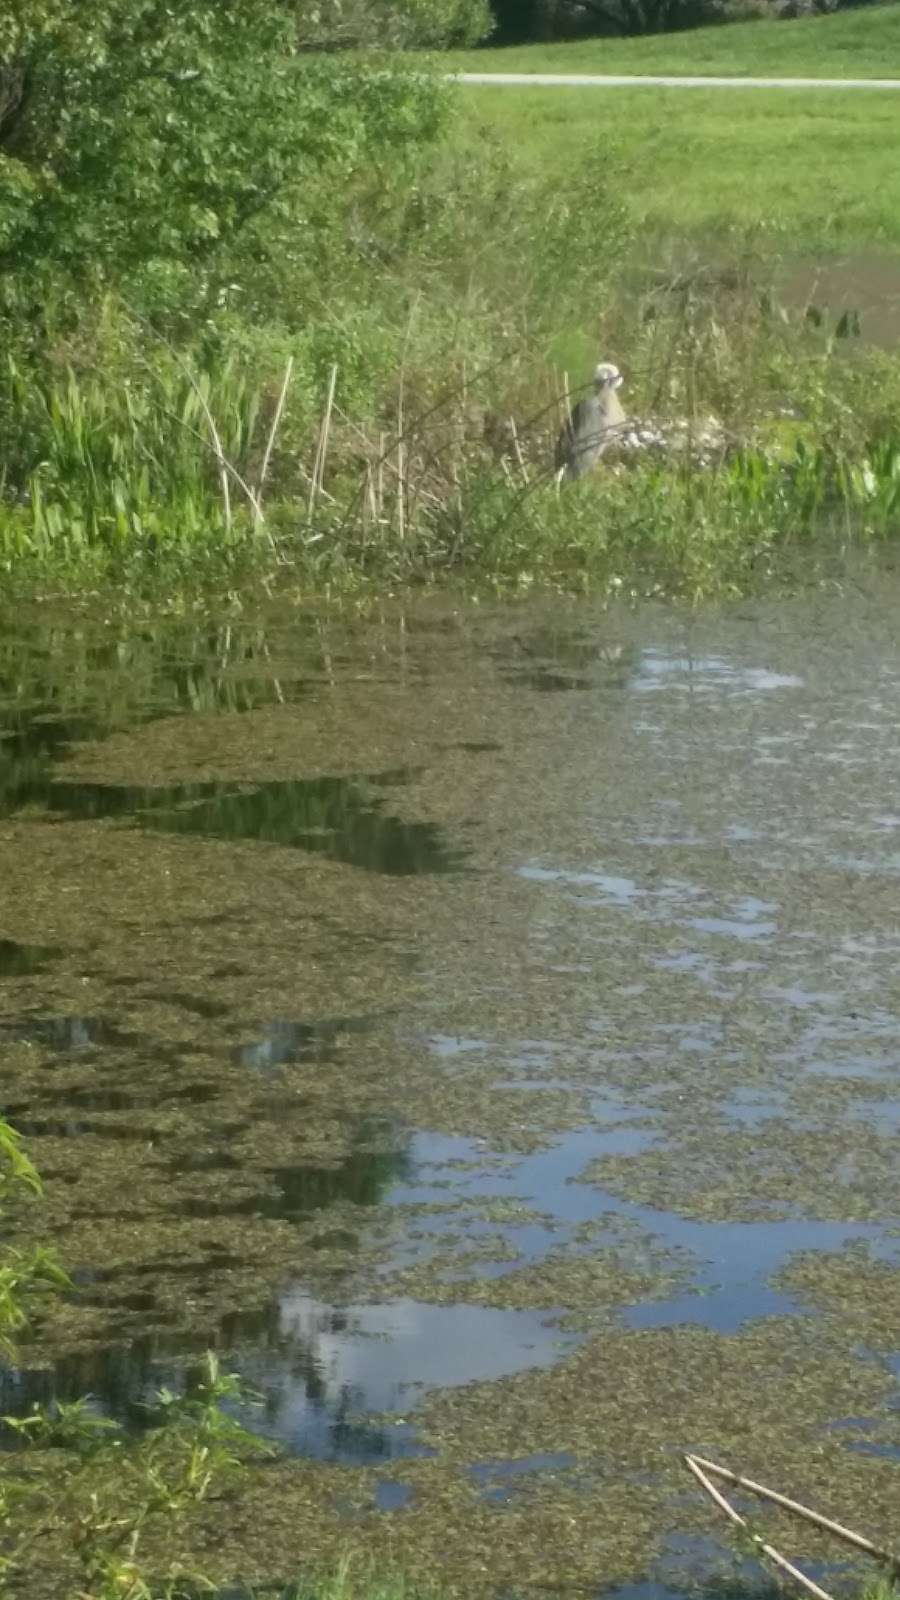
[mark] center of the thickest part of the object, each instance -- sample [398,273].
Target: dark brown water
[858,293]
[481,1025]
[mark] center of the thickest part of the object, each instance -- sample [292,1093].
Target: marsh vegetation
[343,361]
[502,1170]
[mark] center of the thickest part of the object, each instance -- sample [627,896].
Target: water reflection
[497,1481]
[61,686]
[677,940]
[282,1041]
[61,681]
[374,1359]
[335,1384]
[666,671]
[559,660]
[294,1192]
[63,1034]
[18,960]
[730,1263]
[335,817]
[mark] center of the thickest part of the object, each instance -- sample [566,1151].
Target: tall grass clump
[124,436]
[136,466]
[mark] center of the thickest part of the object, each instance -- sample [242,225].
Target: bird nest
[702,441]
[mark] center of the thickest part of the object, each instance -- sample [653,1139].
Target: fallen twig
[799,1510]
[768,1550]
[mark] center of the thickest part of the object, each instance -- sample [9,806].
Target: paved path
[579,80]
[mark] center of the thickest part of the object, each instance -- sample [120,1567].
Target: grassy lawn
[818,169]
[852,44]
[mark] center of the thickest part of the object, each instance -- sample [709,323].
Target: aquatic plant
[26,1277]
[77,1491]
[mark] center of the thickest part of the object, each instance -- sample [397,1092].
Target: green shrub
[140,142]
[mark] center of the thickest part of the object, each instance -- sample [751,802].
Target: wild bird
[593,423]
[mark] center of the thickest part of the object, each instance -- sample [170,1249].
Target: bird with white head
[593,423]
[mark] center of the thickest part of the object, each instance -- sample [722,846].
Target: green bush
[140,142]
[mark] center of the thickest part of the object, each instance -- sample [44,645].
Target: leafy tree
[412,25]
[139,138]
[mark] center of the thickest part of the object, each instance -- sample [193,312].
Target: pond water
[480,1024]
[862,288]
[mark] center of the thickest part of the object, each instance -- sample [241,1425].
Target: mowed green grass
[818,170]
[863,43]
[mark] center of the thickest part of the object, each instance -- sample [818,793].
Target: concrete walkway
[578,80]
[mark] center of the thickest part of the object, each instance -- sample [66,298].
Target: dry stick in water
[373,503]
[384,461]
[219,452]
[402,453]
[322,446]
[270,442]
[401,530]
[381,461]
[314,477]
[768,1550]
[562,402]
[837,1528]
[275,682]
[329,407]
[416,426]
